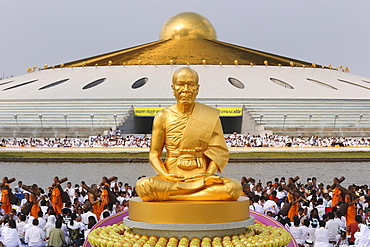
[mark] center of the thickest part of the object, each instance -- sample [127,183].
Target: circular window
[139,83]
[322,83]
[94,83]
[281,83]
[53,84]
[19,85]
[236,83]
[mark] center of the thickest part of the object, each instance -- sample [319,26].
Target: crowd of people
[315,214]
[114,139]
[55,216]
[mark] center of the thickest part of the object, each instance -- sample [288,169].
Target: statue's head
[185,85]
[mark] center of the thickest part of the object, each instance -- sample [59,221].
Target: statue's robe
[192,141]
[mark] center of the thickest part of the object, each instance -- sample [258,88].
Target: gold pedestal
[189,212]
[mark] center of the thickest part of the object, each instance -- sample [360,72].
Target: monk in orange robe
[56,197]
[351,210]
[293,200]
[95,201]
[5,199]
[35,199]
[337,197]
[104,194]
[294,208]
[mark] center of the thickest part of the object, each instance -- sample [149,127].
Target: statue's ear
[173,89]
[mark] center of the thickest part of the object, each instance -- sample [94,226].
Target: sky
[42,32]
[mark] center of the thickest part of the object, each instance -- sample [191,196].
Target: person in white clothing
[338,216]
[87,214]
[28,225]
[297,232]
[304,227]
[255,206]
[76,228]
[363,236]
[271,206]
[332,226]
[9,236]
[20,227]
[70,191]
[35,237]
[311,232]
[42,222]
[322,236]
[50,224]
[25,199]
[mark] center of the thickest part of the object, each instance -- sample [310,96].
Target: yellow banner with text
[152,111]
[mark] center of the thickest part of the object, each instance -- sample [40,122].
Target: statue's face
[185,87]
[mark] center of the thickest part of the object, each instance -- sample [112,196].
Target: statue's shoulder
[208,108]
[164,113]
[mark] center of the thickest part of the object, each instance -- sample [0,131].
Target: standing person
[351,210]
[35,198]
[56,196]
[95,200]
[114,185]
[35,237]
[70,191]
[5,198]
[128,190]
[337,194]
[56,236]
[293,200]
[353,228]
[105,192]
[9,235]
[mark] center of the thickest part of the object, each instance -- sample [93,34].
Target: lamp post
[115,119]
[16,119]
[40,117]
[261,116]
[285,117]
[309,120]
[359,119]
[335,119]
[65,118]
[92,120]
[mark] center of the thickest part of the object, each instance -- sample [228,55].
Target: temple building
[256,92]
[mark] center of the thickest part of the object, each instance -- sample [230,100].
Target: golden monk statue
[192,135]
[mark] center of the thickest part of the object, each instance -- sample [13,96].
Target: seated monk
[192,135]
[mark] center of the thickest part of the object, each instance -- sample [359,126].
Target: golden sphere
[188,25]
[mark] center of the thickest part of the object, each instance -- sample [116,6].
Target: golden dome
[188,25]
